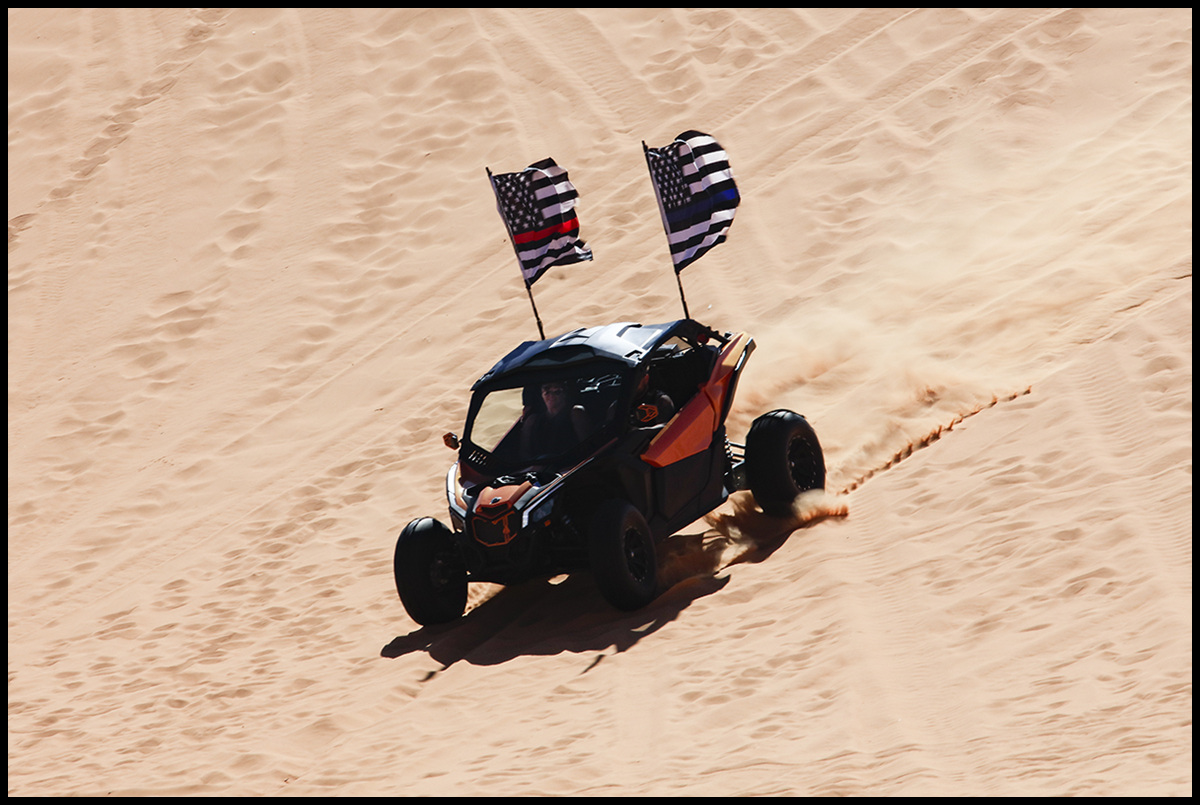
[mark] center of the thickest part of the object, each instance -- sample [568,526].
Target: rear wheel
[783,459]
[622,554]
[430,575]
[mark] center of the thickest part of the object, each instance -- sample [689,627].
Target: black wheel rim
[637,559]
[444,570]
[800,464]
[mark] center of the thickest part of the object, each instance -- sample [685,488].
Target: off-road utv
[583,451]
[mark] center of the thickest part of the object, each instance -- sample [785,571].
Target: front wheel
[622,554]
[783,459]
[430,575]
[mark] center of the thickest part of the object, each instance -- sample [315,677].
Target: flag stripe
[726,199]
[566,227]
[561,251]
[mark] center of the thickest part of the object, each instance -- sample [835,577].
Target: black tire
[622,554]
[783,459]
[430,575]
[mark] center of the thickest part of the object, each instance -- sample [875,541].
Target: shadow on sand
[544,618]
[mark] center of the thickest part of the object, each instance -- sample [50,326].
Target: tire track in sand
[928,439]
[120,122]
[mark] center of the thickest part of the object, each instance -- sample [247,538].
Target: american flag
[696,194]
[538,206]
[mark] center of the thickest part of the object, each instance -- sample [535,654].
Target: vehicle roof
[624,342]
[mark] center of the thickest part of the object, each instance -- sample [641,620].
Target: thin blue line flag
[696,194]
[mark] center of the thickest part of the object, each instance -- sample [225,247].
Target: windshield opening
[497,416]
[545,421]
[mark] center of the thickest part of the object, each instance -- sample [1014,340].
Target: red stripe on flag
[565,228]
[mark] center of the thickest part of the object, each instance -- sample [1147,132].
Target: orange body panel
[688,433]
[495,521]
[691,430]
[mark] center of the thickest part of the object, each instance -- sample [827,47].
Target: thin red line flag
[538,207]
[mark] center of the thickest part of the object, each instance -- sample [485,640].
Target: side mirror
[451,440]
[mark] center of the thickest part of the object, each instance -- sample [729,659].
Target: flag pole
[541,332]
[513,241]
[662,214]
[679,282]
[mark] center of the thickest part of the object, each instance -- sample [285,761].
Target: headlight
[454,492]
[539,511]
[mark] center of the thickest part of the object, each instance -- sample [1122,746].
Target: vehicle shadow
[541,618]
[544,618]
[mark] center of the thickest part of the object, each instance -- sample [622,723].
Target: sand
[255,264]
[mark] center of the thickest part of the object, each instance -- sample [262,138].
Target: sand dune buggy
[583,451]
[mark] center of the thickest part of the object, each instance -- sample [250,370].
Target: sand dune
[254,264]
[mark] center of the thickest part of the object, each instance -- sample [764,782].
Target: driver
[556,429]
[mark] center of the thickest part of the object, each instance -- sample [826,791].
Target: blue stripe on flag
[703,207]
